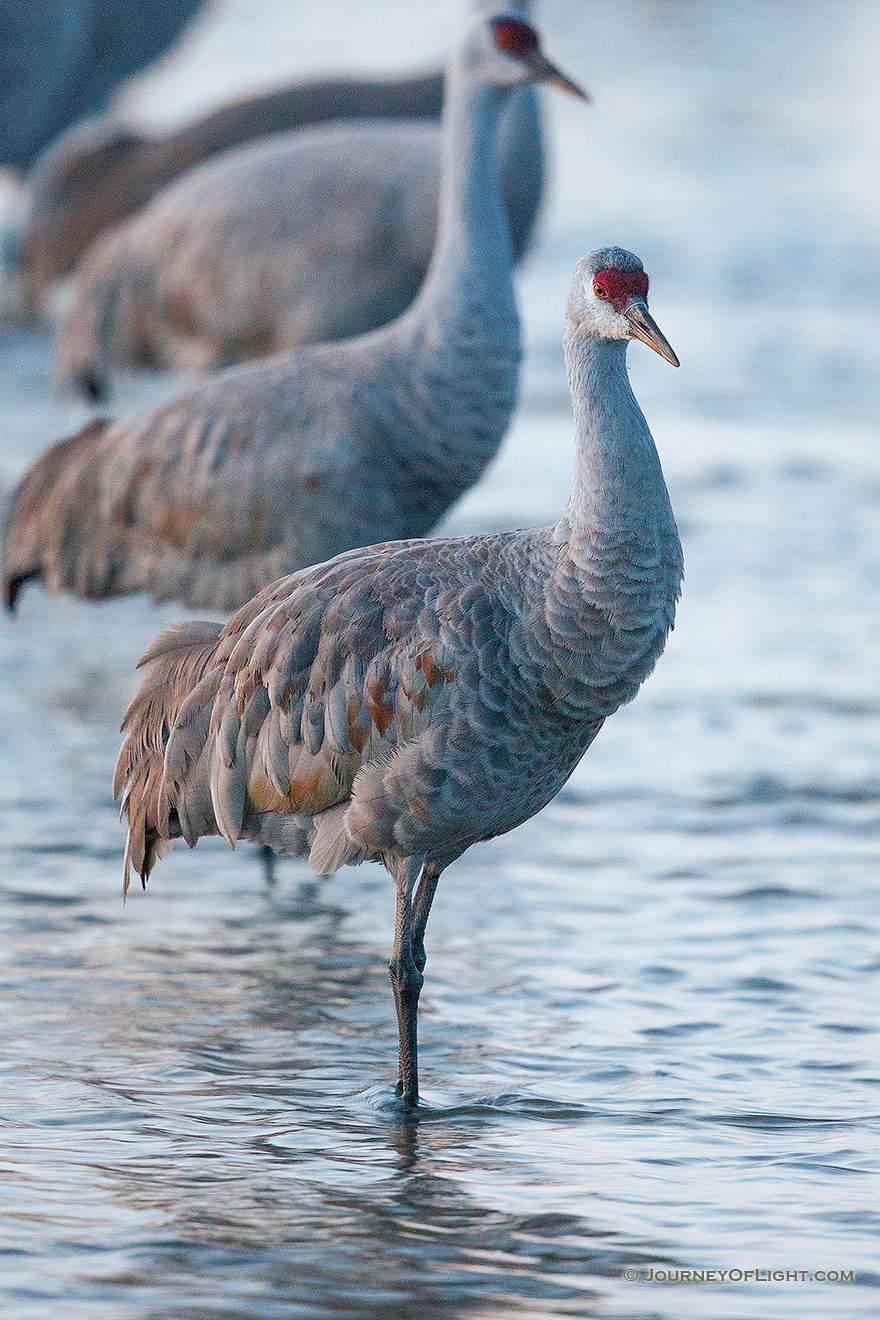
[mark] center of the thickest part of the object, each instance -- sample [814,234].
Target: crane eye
[600,291]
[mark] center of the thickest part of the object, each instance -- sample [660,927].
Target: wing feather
[323,673]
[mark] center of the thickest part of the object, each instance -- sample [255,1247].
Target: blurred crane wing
[192,502]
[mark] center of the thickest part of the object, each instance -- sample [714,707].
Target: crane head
[514,54]
[609,300]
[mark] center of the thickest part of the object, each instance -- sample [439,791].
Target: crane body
[405,701]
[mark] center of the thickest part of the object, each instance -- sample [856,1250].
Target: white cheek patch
[608,323]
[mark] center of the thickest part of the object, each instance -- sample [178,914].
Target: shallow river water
[650,1020]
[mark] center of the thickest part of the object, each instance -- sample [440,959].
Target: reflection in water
[206,1113]
[410,1238]
[223,1117]
[649,1028]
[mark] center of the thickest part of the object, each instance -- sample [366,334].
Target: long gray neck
[520,157]
[455,353]
[472,255]
[618,532]
[312,101]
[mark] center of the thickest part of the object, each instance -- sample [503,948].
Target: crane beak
[545,72]
[643,326]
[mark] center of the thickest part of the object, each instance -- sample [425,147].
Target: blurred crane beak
[644,327]
[545,72]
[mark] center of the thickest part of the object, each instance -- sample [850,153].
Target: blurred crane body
[103,170]
[269,467]
[306,237]
[63,59]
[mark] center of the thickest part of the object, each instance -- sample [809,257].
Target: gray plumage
[306,237]
[103,170]
[62,59]
[405,701]
[269,467]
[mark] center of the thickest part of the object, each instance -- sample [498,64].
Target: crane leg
[267,857]
[421,911]
[406,977]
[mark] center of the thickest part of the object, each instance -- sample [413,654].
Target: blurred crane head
[505,50]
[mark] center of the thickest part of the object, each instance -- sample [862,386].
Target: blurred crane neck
[473,256]
[520,161]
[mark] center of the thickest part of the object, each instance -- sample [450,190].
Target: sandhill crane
[403,702]
[103,170]
[61,61]
[303,238]
[266,468]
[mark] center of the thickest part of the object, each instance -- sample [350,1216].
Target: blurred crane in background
[308,237]
[267,468]
[101,171]
[305,238]
[63,59]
